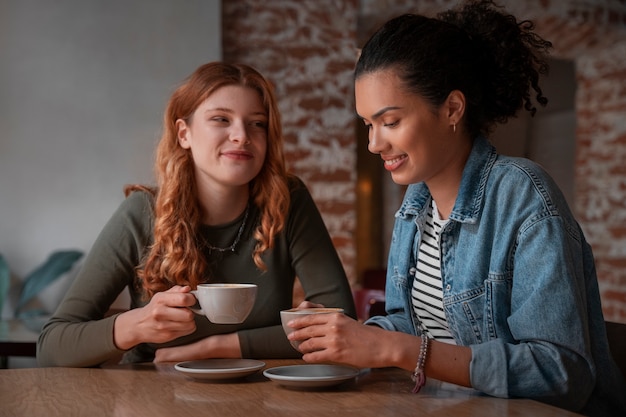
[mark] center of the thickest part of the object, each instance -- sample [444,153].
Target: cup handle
[198,311]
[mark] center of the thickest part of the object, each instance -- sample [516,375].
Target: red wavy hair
[175,257]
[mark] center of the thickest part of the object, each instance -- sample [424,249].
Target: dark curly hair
[476,49]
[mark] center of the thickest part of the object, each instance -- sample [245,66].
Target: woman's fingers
[317,326]
[309,304]
[177,296]
[167,317]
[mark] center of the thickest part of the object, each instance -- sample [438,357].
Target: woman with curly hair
[490,282]
[224,210]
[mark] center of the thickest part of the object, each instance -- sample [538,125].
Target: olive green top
[78,334]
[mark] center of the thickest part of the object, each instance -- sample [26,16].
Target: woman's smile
[395,162]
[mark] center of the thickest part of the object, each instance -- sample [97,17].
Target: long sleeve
[78,334]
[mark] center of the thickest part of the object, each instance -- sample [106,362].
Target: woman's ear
[182,131]
[455,107]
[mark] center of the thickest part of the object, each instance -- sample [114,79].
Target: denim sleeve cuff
[488,368]
[381,321]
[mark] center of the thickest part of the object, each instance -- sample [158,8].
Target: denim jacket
[519,286]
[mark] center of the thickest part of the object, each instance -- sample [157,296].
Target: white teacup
[294,313]
[225,303]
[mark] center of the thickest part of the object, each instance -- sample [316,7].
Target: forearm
[76,344]
[267,343]
[445,362]
[223,345]
[215,346]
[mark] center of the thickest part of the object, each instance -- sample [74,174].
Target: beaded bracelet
[419,376]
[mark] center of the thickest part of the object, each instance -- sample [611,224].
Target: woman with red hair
[224,210]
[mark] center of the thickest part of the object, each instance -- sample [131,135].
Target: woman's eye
[392,124]
[260,124]
[219,119]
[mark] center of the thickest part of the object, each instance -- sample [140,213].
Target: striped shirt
[427,294]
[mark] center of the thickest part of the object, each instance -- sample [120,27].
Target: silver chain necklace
[230,248]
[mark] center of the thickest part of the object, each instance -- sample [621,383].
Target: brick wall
[601,169]
[307,48]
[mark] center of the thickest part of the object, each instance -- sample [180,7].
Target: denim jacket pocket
[483,311]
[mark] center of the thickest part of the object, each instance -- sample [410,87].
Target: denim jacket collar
[471,192]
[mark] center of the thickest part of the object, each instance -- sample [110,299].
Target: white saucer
[219,368]
[311,375]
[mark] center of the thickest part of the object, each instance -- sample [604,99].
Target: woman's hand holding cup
[293,319]
[163,319]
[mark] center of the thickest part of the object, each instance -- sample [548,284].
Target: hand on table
[217,346]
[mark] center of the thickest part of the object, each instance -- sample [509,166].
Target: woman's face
[227,136]
[408,134]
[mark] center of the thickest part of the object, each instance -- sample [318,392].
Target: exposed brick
[617,296]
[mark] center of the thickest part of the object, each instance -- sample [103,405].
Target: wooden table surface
[160,390]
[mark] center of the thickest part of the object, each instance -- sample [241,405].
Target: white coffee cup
[294,313]
[225,303]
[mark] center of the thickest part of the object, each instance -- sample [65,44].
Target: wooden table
[160,390]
